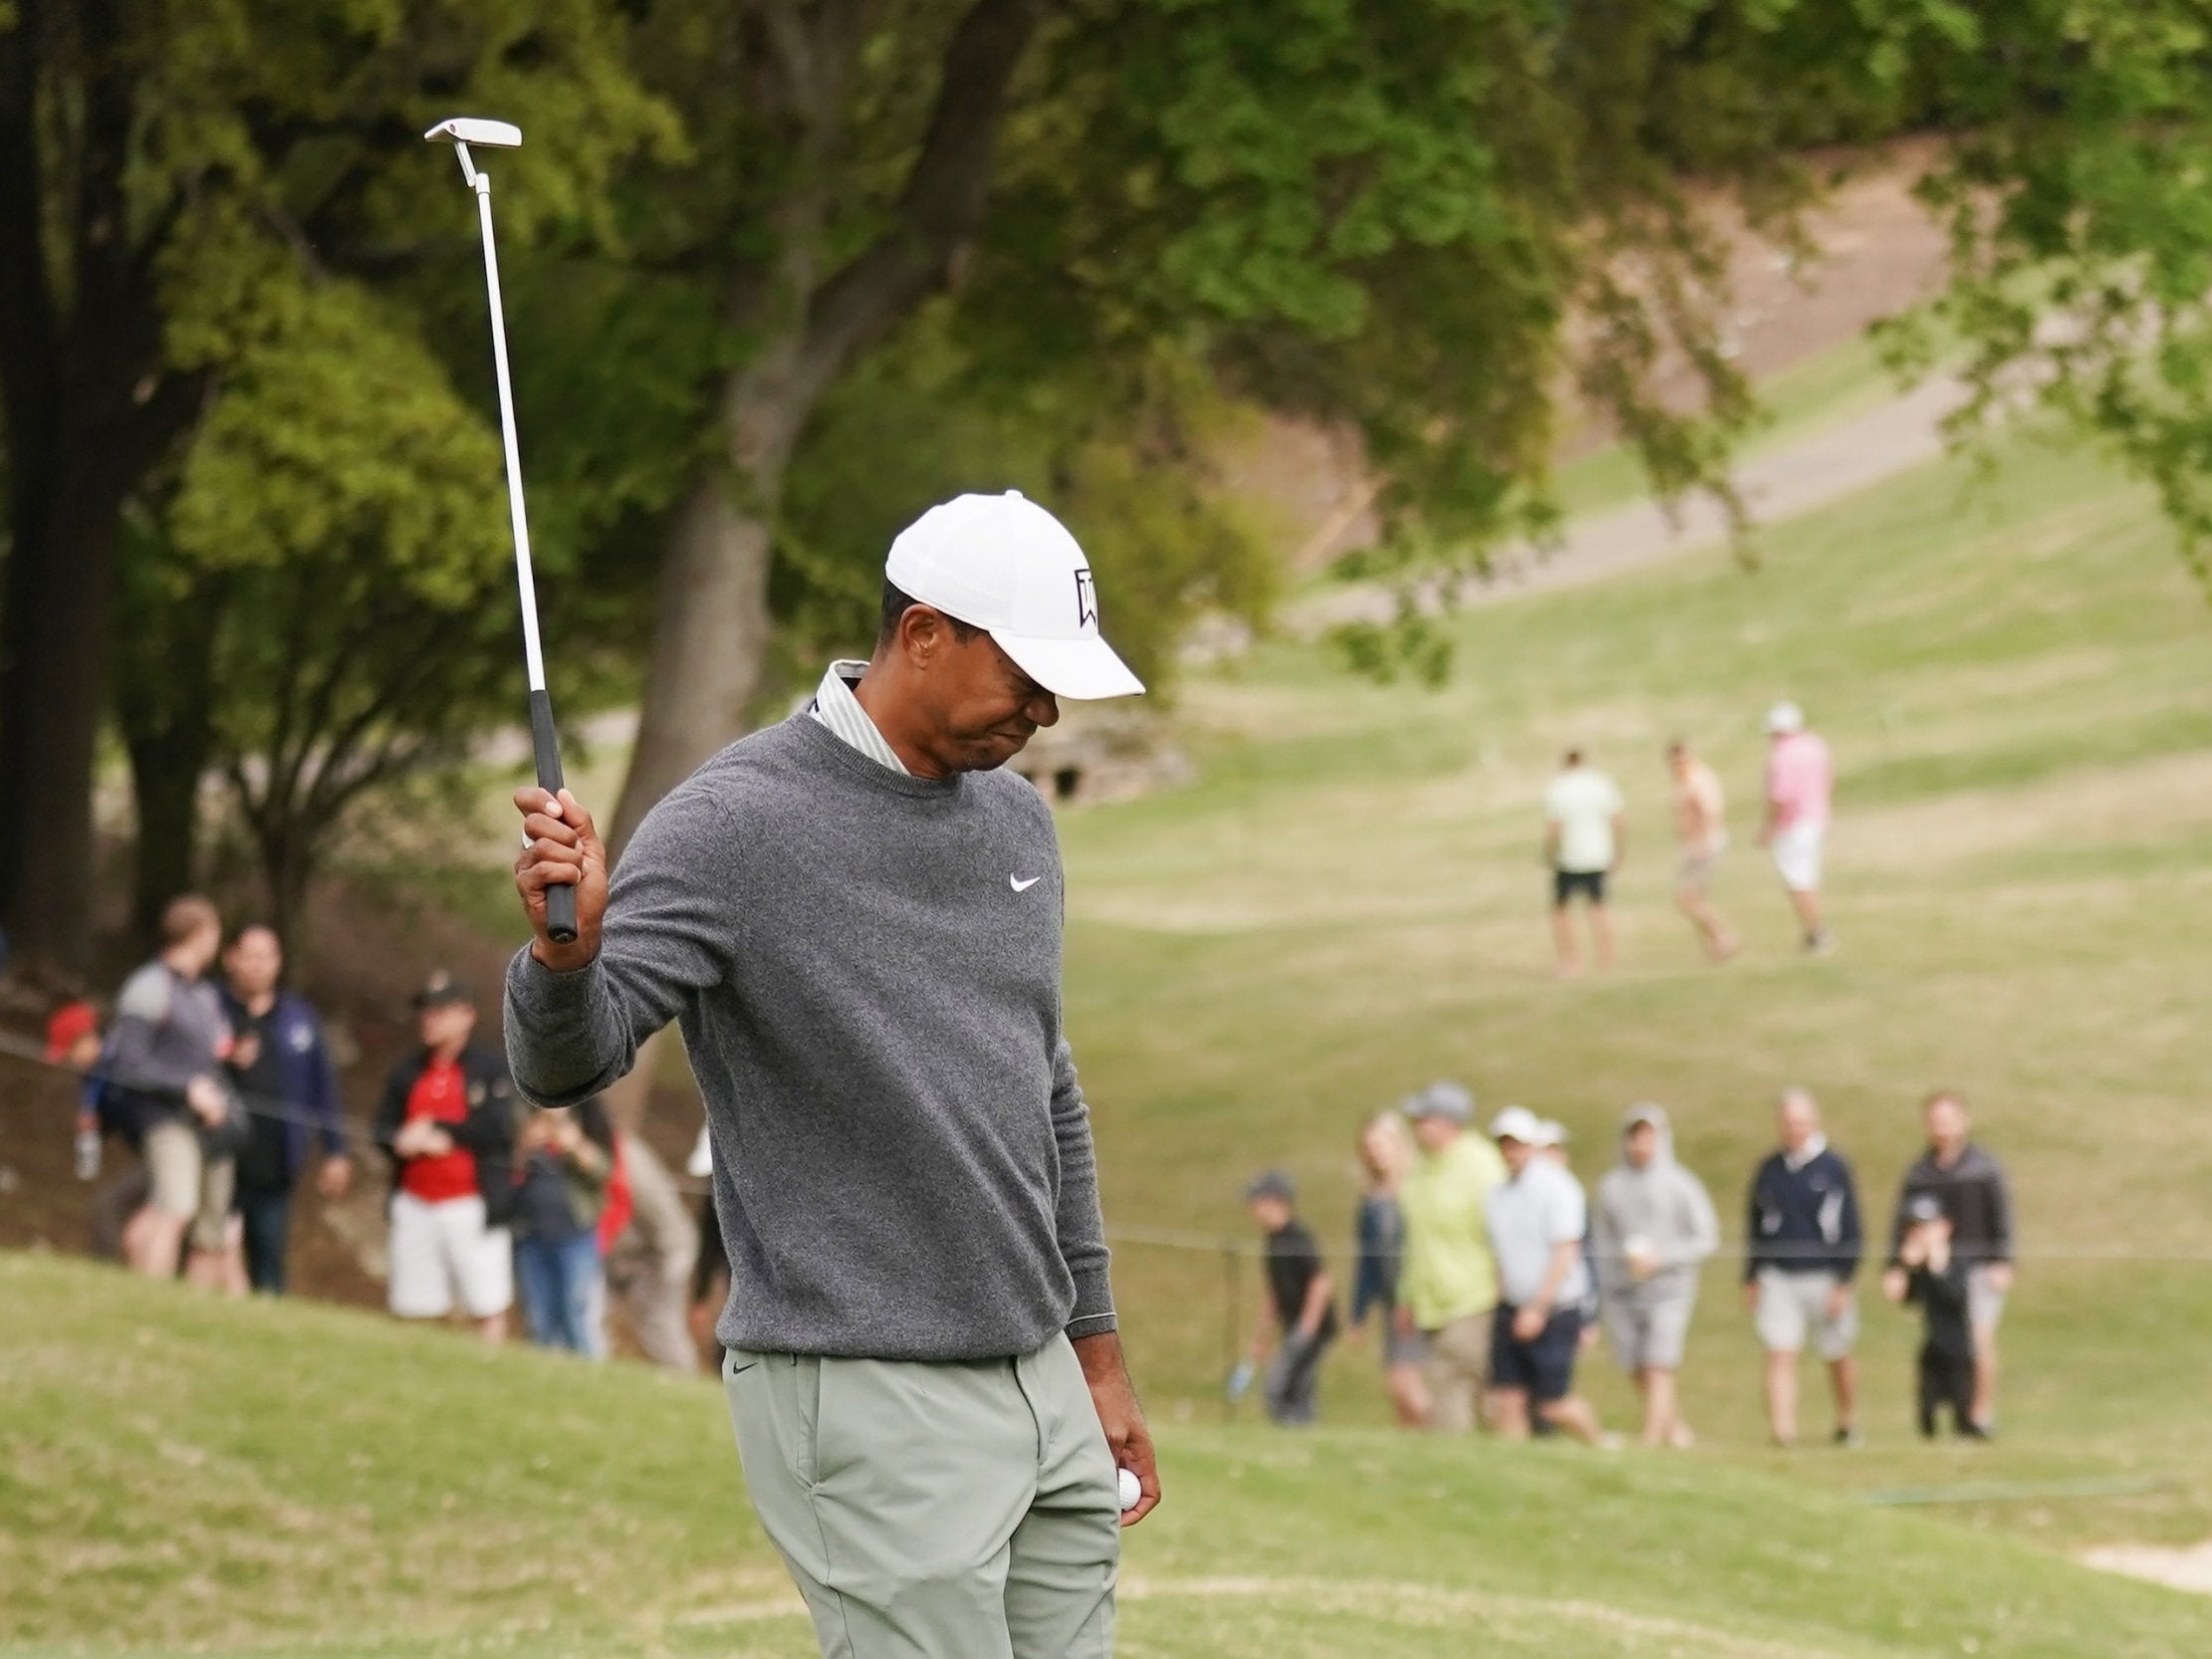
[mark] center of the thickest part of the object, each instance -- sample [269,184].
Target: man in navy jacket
[1803,1241]
[281,1064]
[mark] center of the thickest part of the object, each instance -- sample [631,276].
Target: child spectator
[565,1160]
[1300,1321]
[1936,1278]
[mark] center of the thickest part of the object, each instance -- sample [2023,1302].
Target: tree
[2081,233]
[1416,219]
[142,148]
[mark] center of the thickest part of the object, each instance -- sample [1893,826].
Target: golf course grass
[2014,677]
[1348,903]
[257,1479]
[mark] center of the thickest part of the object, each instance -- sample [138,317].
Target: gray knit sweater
[865,968]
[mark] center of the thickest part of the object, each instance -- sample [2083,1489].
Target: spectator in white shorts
[1800,785]
[1802,1244]
[1970,1187]
[447,1121]
[1654,1228]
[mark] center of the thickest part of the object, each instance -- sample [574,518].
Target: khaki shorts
[1794,1305]
[187,1184]
[171,1154]
[1457,1366]
[1694,874]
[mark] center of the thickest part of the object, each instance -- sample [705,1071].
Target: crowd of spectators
[1487,1274]
[219,1083]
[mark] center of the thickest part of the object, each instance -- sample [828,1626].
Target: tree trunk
[165,705]
[710,638]
[53,662]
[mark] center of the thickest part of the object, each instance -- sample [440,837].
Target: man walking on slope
[856,915]
[1970,1188]
[1585,833]
[1701,829]
[1801,778]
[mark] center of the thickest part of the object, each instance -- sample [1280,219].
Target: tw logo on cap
[1087,600]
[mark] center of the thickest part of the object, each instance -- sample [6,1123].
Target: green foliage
[1126,461]
[2082,230]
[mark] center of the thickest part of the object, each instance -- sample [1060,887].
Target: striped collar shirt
[837,708]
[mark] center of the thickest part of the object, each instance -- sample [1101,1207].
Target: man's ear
[921,634]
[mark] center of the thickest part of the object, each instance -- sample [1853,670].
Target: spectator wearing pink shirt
[1800,778]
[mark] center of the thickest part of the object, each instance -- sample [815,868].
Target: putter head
[471,130]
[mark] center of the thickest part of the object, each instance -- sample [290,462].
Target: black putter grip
[560,901]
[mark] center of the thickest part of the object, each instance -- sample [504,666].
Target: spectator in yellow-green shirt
[1450,1285]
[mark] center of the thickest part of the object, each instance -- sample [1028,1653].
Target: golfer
[856,918]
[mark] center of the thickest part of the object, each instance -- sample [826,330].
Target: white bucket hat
[1784,719]
[1002,564]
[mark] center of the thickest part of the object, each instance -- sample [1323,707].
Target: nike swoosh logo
[1021,886]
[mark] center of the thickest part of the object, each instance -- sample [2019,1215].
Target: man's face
[1516,1153]
[982,709]
[202,948]
[1641,1145]
[1799,1125]
[1678,761]
[1946,1125]
[254,961]
[445,1025]
[1270,1215]
[1434,1133]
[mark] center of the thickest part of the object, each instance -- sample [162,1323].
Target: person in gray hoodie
[1653,1230]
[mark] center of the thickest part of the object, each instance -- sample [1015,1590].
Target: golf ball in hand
[1131,1488]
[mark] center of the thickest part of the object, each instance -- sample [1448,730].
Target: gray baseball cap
[1448,1101]
[1271,1183]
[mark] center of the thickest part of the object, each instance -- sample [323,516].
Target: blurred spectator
[1970,1186]
[1801,782]
[1536,1222]
[447,1122]
[1933,1274]
[1585,838]
[1701,829]
[73,1036]
[1654,1228]
[1448,1291]
[1387,1152]
[566,1157]
[650,1260]
[166,1093]
[710,1270]
[1804,1241]
[281,1066]
[1299,1320]
[73,1040]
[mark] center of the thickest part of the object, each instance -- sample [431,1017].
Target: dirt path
[2186,1569]
[1824,466]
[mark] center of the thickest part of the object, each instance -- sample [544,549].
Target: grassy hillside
[182,1475]
[2015,678]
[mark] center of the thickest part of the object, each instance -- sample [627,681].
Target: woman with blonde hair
[1386,1153]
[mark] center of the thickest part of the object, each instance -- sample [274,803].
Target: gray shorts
[1985,1302]
[1794,1305]
[1649,1326]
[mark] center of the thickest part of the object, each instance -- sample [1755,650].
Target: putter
[462,131]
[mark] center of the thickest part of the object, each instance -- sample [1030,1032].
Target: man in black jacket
[1802,1244]
[1970,1187]
[446,1121]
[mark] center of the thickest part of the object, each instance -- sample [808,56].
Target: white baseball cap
[1518,1123]
[1784,718]
[1002,564]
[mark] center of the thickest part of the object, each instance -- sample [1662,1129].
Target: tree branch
[940,209]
